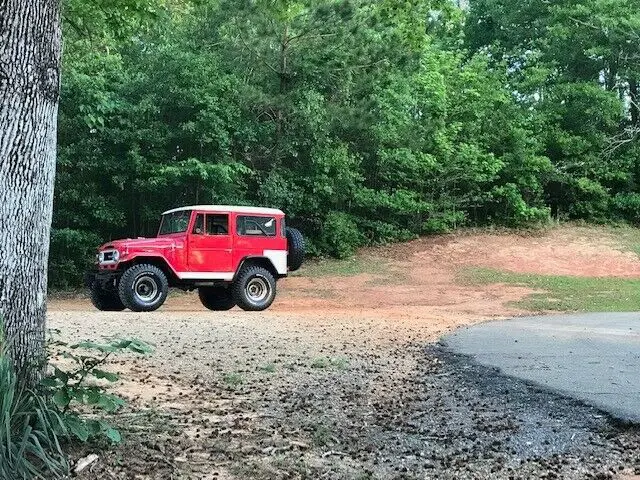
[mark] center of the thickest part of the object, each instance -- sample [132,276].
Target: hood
[139,244]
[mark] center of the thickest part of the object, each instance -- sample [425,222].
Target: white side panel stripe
[279,260]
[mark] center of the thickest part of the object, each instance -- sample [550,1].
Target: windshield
[176,222]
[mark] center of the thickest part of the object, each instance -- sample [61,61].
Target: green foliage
[562,293]
[573,64]
[35,424]
[31,429]
[72,252]
[81,385]
[340,235]
[366,121]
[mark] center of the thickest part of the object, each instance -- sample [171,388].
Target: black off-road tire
[216,298]
[295,242]
[143,288]
[254,289]
[105,300]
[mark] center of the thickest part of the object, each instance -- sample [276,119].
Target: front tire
[254,289]
[216,298]
[143,288]
[105,300]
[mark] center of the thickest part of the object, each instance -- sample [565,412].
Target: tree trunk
[30,48]
[633,96]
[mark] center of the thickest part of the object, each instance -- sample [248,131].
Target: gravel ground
[327,406]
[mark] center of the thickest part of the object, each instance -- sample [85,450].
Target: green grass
[233,379]
[330,363]
[31,429]
[268,368]
[563,293]
[345,268]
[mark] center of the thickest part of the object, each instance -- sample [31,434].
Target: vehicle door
[210,244]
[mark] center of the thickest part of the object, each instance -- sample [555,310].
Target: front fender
[148,257]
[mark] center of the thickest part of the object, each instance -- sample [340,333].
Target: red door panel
[210,244]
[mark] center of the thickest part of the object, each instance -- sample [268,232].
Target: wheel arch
[259,261]
[157,261]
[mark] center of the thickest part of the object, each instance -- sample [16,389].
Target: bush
[590,201]
[340,235]
[72,387]
[627,205]
[30,429]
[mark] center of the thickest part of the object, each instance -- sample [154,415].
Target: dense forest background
[365,120]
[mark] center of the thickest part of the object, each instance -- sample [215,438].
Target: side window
[283,228]
[198,226]
[217,224]
[256,226]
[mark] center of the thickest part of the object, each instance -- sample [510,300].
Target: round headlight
[100,257]
[116,255]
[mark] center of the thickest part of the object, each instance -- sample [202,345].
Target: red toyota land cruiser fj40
[232,255]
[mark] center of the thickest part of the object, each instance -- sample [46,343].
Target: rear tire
[254,289]
[143,288]
[105,300]
[218,299]
[295,245]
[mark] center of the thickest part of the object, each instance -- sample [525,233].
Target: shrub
[340,235]
[30,429]
[35,423]
[72,392]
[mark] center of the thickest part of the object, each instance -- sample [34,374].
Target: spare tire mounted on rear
[295,245]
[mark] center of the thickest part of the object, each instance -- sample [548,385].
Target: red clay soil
[420,277]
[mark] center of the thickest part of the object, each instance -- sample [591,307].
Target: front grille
[108,256]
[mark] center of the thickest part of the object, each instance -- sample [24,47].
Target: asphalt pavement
[594,358]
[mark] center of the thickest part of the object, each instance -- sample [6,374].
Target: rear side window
[256,226]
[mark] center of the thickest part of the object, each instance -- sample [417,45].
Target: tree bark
[30,49]
[633,96]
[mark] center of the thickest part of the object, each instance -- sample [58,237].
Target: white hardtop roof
[228,209]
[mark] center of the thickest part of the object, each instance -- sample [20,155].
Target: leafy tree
[366,121]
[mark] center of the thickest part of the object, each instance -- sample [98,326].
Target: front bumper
[107,279]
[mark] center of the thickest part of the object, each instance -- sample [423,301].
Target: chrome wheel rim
[258,289]
[146,288]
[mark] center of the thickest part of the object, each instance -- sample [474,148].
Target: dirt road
[337,380]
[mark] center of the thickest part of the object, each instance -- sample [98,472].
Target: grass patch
[268,368]
[322,435]
[349,267]
[330,363]
[628,237]
[233,379]
[563,293]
